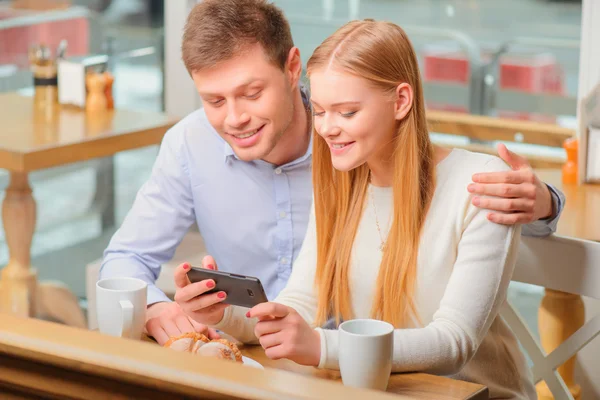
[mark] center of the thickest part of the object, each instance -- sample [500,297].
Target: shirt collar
[306,155]
[228,150]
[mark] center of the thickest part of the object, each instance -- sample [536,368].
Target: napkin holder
[72,77]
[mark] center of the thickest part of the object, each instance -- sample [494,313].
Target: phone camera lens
[250,293]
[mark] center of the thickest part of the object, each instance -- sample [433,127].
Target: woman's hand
[283,333]
[193,299]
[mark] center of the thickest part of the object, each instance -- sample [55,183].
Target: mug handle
[127,319]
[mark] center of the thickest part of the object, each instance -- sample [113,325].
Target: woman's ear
[403,100]
[293,66]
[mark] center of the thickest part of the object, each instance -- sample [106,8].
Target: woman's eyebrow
[342,103]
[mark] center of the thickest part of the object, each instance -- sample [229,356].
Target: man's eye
[254,96]
[216,102]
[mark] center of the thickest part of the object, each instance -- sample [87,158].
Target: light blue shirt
[545,227]
[252,215]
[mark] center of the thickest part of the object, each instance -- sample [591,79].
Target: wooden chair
[563,265]
[484,129]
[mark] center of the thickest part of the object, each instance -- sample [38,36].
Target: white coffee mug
[121,306]
[365,353]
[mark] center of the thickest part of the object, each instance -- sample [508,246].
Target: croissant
[197,343]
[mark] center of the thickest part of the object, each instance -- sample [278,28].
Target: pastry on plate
[186,342]
[220,348]
[197,343]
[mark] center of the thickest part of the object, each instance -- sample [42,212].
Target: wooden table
[582,209]
[62,361]
[414,385]
[32,139]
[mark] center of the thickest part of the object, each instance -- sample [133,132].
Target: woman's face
[357,120]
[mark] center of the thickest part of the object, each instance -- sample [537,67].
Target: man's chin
[249,153]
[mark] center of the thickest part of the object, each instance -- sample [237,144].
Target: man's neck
[295,140]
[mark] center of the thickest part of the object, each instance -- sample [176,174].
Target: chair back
[566,265]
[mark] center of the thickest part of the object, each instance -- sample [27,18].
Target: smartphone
[242,290]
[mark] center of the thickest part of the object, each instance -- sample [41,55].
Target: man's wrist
[553,206]
[155,309]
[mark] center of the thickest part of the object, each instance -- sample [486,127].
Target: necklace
[383,242]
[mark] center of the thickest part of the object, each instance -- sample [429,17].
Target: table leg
[105,191]
[20,293]
[18,279]
[560,315]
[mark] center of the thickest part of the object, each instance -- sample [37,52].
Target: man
[240,167]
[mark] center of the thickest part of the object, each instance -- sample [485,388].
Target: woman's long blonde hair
[381,53]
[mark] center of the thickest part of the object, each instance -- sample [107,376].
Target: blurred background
[515,59]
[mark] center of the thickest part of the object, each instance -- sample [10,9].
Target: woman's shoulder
[461,165]
[452,198]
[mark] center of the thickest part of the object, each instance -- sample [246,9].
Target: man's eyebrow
[243,85]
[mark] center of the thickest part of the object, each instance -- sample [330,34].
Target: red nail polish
[210,284]
[186,266]
[248,314]
[210,266]
[221,295]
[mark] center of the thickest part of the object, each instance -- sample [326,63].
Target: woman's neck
[382,173]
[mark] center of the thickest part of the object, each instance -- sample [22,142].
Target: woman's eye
[318,114]
[348,114]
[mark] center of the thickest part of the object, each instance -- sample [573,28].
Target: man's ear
[293,66]
[403,100]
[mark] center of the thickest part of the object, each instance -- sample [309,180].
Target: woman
[393,234]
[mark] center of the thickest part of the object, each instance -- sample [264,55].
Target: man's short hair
[217,30]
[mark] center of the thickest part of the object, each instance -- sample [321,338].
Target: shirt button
[278,171]
[282,214]
[284,260]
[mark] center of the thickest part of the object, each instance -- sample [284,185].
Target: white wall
[588,365]
[589,69]
[181,97]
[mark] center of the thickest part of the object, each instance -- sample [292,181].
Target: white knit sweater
[464,267]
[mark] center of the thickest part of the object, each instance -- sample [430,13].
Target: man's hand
[164,320]
[203,308]
[518,195]
[283,333]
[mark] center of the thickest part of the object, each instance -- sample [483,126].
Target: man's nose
[236,117]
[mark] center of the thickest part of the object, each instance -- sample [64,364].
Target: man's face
[248,100]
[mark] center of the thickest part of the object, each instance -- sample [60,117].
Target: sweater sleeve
[486,256]
[299,293]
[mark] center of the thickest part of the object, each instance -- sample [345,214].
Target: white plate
[252,363]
